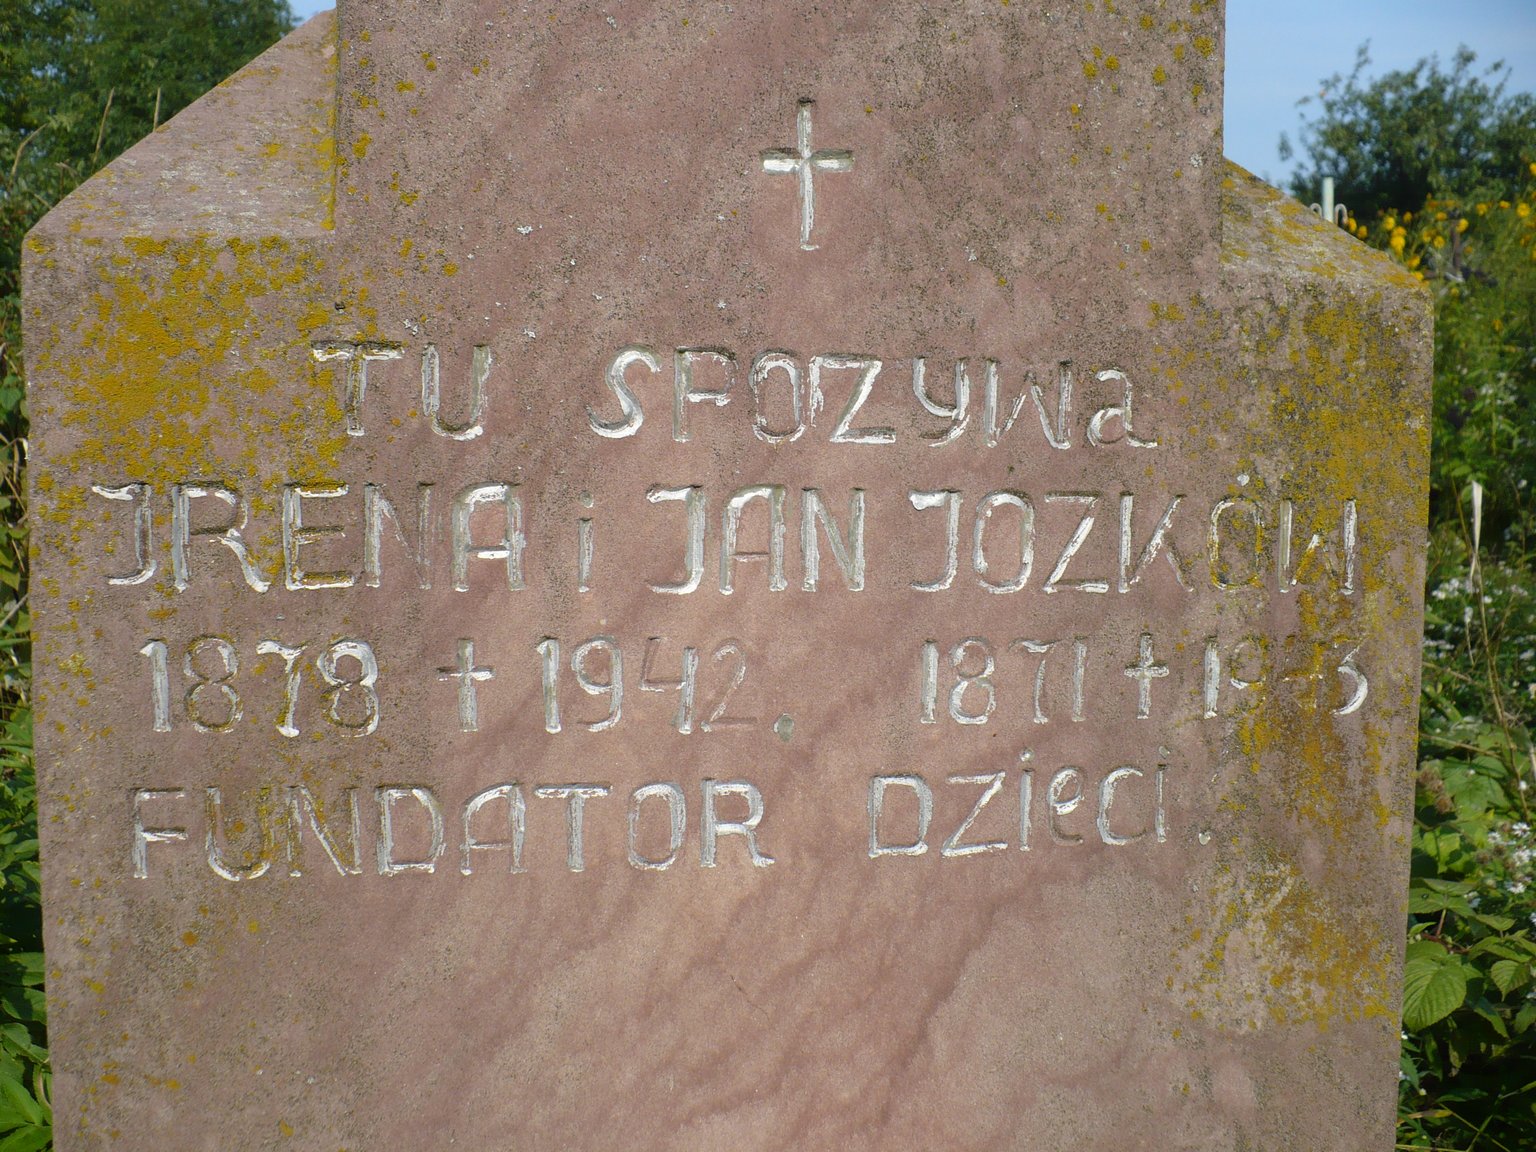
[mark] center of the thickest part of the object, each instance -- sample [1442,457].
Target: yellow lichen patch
[1320,400]
[1281,953]
[322,130]
[185,364]
[1159,75]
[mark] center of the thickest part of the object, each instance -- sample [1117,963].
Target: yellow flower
[1533,168]
[1439,241]
[1462,224]
[1503,203]
[1396,243]
[1439,215]
[1524,209]
[1389,223]
[1482,209]
[1407,216]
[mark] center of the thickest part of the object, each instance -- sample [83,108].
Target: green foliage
[26,1117]
[1481,258]
[90,77]
[1469,997]
[1395,141]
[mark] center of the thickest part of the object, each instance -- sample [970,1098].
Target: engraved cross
[467,675]
[1144,671]
[803,162]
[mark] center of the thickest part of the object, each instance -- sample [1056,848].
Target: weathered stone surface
[1060,801]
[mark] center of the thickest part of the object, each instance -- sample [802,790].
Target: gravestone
[694,576]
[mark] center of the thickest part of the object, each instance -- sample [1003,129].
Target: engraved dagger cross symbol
[804,163]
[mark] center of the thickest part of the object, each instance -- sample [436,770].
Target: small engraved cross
[467,675]
[803,162]
[1144,671]
[1312,675]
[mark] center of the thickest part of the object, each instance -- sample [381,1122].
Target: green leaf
[1507,975]
[1522,1020]
[27,1139]
[1436,884]
[24,968]
[1432,990]
[1426,950]
[1494,946]
[13,1124]
[16,1038]
[1422,902]
[1497,923]
[1487,1012]
[15,1094]
[24,1004]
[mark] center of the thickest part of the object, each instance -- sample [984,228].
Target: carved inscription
[1118,806]
[412,828]
[1042,534]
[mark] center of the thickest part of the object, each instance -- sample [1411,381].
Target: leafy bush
[1469,1004]
[1469,1001]
[1411,134]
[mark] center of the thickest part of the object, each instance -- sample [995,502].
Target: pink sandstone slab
[694,576]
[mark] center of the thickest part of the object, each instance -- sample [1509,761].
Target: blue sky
[1279,50]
